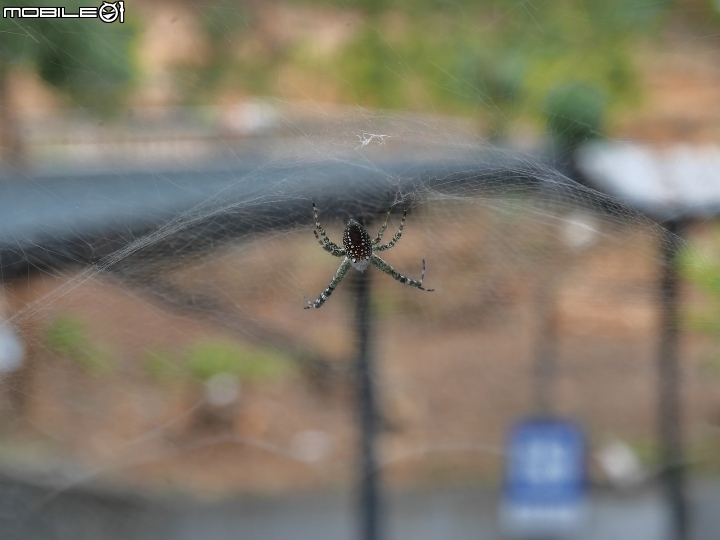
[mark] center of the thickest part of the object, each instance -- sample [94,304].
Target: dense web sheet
[495,227]
[154,336]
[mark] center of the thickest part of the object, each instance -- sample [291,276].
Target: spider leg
[330,247]
[382,229]
[337,278]
[395,238]
[320,233]
[380,264]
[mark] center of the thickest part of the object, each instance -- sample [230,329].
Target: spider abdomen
[358,246]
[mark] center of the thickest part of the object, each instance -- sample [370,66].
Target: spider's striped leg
[385,267]
[337,278]
[320,232]
[331,249]
[395,238]
[382,229]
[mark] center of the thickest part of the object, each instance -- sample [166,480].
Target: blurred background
[560,164]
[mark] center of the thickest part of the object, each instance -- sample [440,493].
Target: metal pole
[669,405]
[367,413]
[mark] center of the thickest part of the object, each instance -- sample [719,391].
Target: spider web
[166,350]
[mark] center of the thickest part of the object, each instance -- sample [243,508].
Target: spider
[359,252]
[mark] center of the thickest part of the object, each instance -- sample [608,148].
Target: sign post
[367,413]
[545,491]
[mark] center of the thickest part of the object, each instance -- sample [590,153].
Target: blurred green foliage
[213,357]
[89,60]
[209,358]
[226,24]
[68,337]
[575,114]
[500,59]
[703,272]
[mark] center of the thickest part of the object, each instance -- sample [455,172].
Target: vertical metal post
[367,412]
[669,405]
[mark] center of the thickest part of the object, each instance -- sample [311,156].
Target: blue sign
[546,477]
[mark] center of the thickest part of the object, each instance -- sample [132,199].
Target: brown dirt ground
[454,366]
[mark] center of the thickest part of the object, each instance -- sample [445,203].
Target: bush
[574,114]
[209,358]
[67,336]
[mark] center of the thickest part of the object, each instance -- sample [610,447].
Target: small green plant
[574,114]
[208,358]
[68,336]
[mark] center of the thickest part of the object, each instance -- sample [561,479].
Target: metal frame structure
[51,222]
